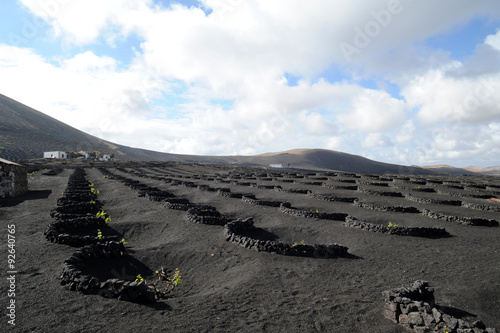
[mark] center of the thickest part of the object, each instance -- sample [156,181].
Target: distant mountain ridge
[489,171]
[26,133]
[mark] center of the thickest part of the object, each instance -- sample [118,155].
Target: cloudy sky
[407,82]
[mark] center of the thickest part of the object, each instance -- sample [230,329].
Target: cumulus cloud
[211,79]
[83,22]
[377,140]
[78,90]
[374,110]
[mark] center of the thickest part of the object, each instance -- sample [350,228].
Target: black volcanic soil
[228,288]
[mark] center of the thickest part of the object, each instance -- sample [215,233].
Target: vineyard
[210,248]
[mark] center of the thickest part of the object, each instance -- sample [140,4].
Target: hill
[322,159]
[26,133]
[490,171]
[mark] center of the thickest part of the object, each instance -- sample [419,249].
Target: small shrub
[295,244]
[392,227]
[164,284]
[102,214]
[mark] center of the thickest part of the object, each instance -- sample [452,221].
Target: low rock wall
[331,198]
[238,230]
[206,215]
[353,222]
[417,189]
[287,209]
[488,208]
[414,308]
[72,275]
[341,187]
[381,193]
[461,220]
[433,201]
[13,179]
[235,232]
[373,183]
[385,208]
[253,201]
[76,213]
[292,190]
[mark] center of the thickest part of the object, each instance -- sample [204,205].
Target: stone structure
[352,222]
[286,208]
[413,307]
[13,179]
[238,231]
[75,213]
[55,154]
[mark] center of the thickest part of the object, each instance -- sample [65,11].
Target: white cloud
[89,62]
[78,91]
[405,132]
[333,142]
[376,140]
[493,40]
[315,123]
[83,22]
[374,111]
[448,99]
[241,51]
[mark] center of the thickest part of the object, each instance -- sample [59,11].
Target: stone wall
[286,208]
[331,198]
[413,307]
[352,222]
[254,201]
[73,276]
[76,214]
[385,208]
[237,232]
[13,179]
[461,220]
[240,231]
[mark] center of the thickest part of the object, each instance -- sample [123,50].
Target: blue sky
[228,77]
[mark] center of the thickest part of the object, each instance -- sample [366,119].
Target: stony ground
[228,288]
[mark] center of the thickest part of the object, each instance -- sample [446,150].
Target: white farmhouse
[105,157]
[55,154]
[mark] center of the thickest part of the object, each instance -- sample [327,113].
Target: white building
[276,165]
[55,154]
[105,157]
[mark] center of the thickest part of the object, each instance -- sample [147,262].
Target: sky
[398,81]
